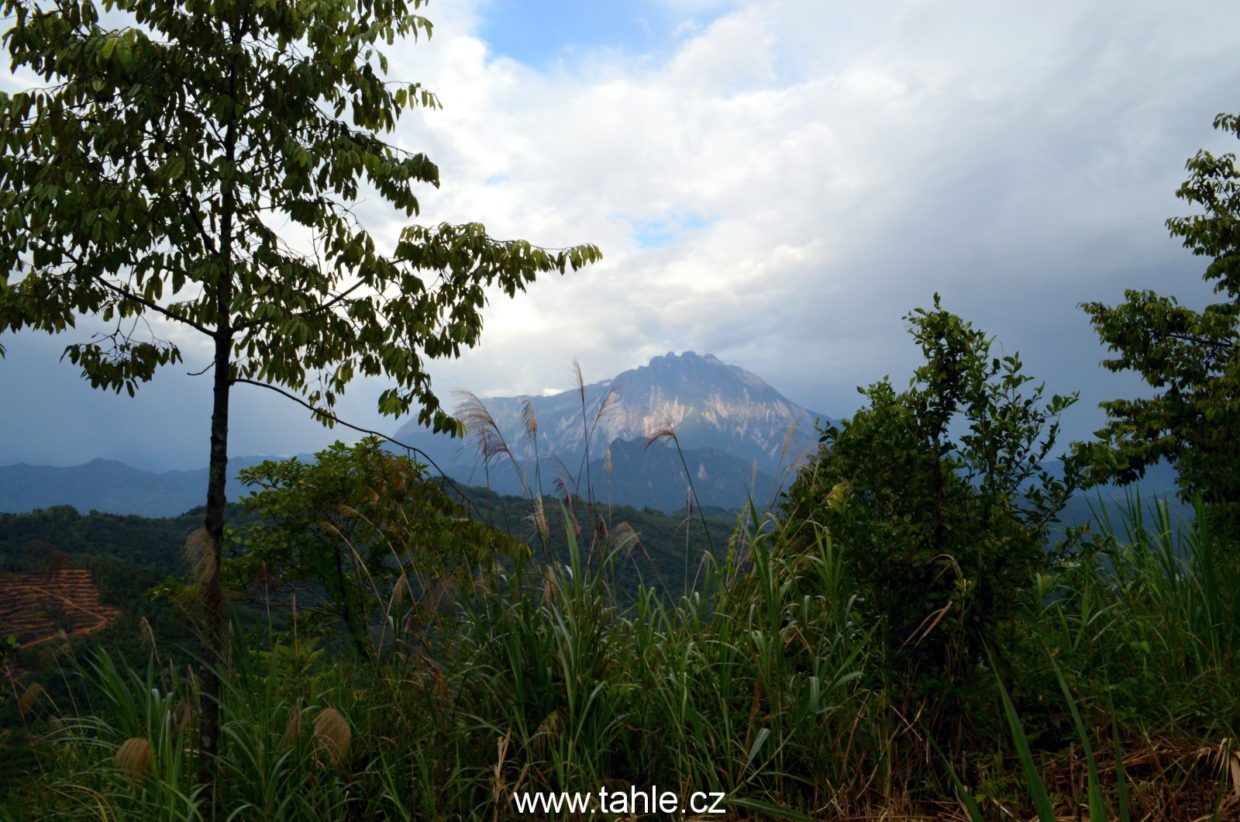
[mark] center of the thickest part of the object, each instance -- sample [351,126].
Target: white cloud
[840,162]
[847,162]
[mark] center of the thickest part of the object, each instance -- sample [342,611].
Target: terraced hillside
[36,606]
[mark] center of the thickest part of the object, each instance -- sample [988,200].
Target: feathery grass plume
[133,757]
[400,589]
[624,538]
[546,731]
[497,773]
[529,423]
[789,437]
[540,519]
[529,420]
[148,636]
[529,426]
[479,423]
[185,714]
[669,432]
[199,556]
[550,585]
[570,495]
[565,478]
[30,696]
[332,735]
[292,728]
[491,445]
[352,513]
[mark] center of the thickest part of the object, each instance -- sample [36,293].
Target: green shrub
[942,498]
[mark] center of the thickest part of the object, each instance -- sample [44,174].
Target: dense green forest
[915,630]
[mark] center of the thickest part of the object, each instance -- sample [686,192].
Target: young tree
[194,164]
[941,498]
[381,540]
[1191,357]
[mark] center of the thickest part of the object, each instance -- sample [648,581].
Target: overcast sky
[776,183]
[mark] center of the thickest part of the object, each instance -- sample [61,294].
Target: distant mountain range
[737,435]
[739,438]
[114,487]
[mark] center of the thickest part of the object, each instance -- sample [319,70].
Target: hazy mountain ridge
[747,432]
[108,485]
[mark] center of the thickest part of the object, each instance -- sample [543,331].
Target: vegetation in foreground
[767,684]
[1003,681]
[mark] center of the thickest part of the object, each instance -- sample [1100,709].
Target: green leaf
[174,168]
[759,740]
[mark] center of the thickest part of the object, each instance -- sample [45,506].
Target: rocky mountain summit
[734,429]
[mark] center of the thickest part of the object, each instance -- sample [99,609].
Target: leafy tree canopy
[200,165]
[1191,358]
[197,162]
[369,529]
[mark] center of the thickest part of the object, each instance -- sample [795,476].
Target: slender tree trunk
[214,640]
[215,657]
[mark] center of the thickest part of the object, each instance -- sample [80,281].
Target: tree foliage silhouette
[194,165]
[1191,358]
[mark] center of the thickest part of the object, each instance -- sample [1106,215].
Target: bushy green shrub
[941,496]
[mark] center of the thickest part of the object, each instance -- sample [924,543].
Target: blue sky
[776,182]
[544,33]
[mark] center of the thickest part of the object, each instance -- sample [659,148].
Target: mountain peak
[691,378]
[687,356]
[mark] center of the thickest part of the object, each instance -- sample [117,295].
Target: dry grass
[332,735]
[134,756]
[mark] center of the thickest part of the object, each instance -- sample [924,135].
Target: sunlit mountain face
[739,435]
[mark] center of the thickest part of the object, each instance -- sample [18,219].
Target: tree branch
[329,415]
[324,306]
[156,307]
[1196,340]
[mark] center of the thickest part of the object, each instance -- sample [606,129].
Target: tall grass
[1116,695]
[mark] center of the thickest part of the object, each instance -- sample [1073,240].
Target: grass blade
[1041,802]
[1121,776]
[962,793]
[1097,806]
